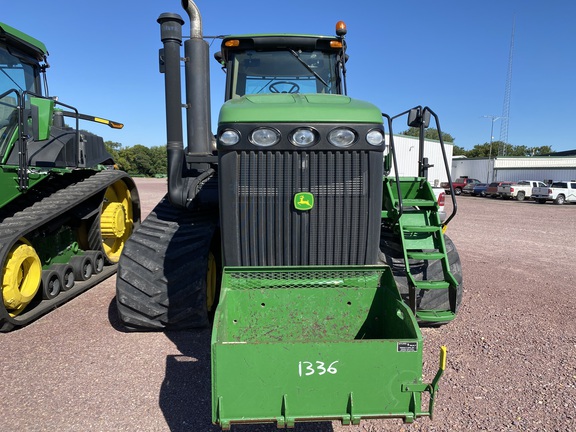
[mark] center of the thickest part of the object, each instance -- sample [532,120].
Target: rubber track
[161,281]
[52,203]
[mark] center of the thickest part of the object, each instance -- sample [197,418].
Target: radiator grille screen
[271,232]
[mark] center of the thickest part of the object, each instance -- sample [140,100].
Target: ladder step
[422,229]
[425,255]
[431,285]
[435,315]
[414,202]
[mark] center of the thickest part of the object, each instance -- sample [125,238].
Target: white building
[407,156]
[543,168]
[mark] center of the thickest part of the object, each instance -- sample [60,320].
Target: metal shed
[544,168]
[407,155]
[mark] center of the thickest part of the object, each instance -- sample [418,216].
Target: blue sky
[449,55]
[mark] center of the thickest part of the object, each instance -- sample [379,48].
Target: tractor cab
[268,64]
[20,67]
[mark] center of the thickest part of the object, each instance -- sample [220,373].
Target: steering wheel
[294,88]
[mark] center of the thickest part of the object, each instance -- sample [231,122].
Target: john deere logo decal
[303,201]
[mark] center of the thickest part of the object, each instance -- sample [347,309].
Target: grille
[304,279]
[271,232]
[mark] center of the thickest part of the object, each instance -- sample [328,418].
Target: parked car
[467,190]
[520,190]
[441,198]
[458,184]
[492,189]
[560,192]
[479,189]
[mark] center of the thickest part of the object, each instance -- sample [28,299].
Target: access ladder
[411,206]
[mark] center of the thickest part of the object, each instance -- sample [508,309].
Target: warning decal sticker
[407,346]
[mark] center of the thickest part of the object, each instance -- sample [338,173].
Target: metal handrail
[445,159]
[442,146]
[395,163]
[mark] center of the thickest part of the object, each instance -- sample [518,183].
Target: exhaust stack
[196,51]
[185,180]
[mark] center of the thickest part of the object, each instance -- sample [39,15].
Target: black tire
[161,278]
[391,254]
[457,191]
[520,196]
[51,284]
[83,267]
[560,199]
[66,273]
[98,261]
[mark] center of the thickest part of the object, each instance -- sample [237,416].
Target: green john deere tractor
[65,212]
[289,232]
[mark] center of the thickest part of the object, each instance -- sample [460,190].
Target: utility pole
[493,118]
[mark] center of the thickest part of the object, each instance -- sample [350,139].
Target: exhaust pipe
[196,51]
[183,189]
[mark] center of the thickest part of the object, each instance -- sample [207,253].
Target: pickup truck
[441,198]
[458,184]
[520,190]
[559,192]
[492,189]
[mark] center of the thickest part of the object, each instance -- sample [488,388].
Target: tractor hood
[309,108]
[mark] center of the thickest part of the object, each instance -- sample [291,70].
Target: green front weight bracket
[315,343]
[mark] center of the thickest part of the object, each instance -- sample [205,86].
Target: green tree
[480,150]
[115,149]
[430,134]
[539,151]
[458,151]
[483,150]
[159,160]
[139,160]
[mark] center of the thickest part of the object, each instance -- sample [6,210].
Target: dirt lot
[511,351]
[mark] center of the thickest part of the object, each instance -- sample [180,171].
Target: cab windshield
[16,77]
[283,71]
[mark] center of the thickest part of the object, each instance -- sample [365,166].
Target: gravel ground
[511,351]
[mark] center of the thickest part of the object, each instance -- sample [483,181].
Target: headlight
[264,137]
[375,137]
[342,137]
[303,137]
[229,137]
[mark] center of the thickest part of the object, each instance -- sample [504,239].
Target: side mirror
[219,58]
[418,117]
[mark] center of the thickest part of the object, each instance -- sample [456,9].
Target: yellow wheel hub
[211,282]
[22,277]
[116,220]
[113,220]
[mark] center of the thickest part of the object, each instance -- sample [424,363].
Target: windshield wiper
[307,66]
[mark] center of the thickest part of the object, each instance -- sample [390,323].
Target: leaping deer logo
[303,201]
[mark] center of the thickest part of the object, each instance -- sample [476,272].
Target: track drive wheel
[115,223]
[22,275]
